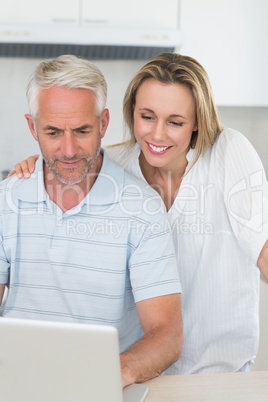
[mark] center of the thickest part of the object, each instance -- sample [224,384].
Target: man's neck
[68,196]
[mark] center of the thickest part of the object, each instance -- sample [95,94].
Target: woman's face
[164,120]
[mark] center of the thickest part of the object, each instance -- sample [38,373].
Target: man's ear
[31,126]
[104,121]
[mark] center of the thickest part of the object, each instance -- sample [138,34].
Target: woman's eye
[176,123]
[143,116]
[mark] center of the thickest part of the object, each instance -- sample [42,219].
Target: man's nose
[69,146]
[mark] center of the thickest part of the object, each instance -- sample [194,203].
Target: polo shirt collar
[107,188]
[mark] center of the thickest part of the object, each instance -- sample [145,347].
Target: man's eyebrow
[84,127]
[53,128]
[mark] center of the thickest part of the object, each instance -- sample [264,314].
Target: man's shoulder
[13,189]
[142,195]
[9,191]
[133,189]
[11,185]
[137,184]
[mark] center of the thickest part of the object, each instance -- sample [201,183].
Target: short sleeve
[244,185]
[153,267]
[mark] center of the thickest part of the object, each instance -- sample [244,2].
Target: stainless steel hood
[106,29]
[91,43]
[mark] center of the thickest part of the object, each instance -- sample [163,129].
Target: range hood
[91,43]
[107,29]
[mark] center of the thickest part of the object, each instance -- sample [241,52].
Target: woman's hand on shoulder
[25,168]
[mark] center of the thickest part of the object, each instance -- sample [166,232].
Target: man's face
[69,132]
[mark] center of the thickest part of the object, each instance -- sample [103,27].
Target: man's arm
[263,261]
[2,291]
[161,344]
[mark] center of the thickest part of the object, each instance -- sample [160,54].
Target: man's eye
[52,133]
[81,132]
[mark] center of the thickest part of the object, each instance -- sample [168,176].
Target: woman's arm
[245,191]
[25,168]
[263,261]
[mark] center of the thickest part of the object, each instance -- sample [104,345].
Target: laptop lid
[50,361]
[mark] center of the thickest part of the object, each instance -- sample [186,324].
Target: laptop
[50,361]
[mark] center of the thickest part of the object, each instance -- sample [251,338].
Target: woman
[216,195]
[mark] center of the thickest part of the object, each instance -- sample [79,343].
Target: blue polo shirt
[92,263]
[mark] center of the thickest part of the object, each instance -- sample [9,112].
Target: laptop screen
[50,361]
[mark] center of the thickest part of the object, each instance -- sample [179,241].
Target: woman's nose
[158,131]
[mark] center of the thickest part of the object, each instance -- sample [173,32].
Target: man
[82,240]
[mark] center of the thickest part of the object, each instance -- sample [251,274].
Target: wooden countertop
[229,387]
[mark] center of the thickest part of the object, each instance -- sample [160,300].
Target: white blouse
[220,223]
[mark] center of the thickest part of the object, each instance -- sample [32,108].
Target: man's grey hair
[70,72]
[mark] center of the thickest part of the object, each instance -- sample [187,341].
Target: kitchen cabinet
[48,12]
[230,39]
[103,13]
[131,14]
[104,28]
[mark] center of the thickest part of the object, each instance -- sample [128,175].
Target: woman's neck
[165,180]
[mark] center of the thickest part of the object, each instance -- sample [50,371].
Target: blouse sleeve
[245,189]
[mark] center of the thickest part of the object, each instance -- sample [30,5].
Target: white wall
[230,39]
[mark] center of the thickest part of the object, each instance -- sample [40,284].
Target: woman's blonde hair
[172,68]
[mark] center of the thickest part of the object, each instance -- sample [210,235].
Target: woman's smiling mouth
[157,149]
